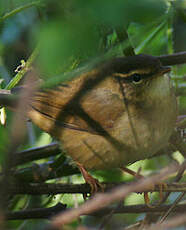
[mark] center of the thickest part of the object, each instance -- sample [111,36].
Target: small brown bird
[122,111]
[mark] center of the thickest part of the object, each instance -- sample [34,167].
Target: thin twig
[173,206]
[176,180]
[18,10]
[172,223]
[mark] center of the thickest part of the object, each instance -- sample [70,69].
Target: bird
[121,111]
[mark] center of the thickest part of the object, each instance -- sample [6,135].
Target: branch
[53,189]
[100,201]
[7,99]
[44,213]
[171,223]
[36,153]
[49,170]
[150,217]
[36,213]
[173,59]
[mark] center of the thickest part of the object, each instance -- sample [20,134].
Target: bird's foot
[95,185]
[162,186]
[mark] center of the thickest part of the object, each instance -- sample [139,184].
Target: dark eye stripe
[130,78]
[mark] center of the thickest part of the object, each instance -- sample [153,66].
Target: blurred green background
[70,34]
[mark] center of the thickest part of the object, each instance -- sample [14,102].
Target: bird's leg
[95,185]
[146,196]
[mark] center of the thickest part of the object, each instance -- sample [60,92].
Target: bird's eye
[136,79]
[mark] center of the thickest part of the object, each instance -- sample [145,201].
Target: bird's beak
[164,69]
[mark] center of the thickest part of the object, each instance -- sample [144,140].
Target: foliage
[60,37]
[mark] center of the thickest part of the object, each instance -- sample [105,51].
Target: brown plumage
[122,111]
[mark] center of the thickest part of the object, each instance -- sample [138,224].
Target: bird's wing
[83,104]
